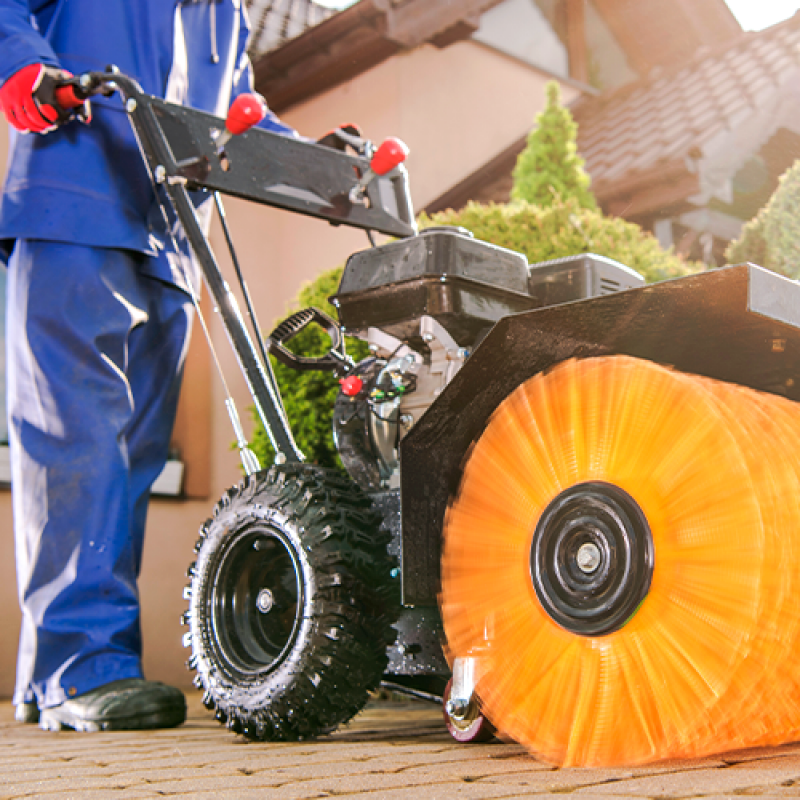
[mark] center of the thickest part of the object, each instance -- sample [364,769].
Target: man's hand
[19,104]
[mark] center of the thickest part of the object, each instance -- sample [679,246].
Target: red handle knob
[246,110]
[392,152]
[66,97]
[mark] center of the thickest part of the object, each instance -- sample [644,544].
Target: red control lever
[389,155]
[392,152]
[351,385]
[245,111]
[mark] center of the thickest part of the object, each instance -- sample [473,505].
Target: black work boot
[26,712]
[130,704]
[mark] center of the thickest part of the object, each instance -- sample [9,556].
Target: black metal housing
[740,324]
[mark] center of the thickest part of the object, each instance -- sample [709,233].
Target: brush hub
[592,558]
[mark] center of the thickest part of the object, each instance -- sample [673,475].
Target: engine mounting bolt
[130,105]
[406,420]
[265,601]
[588,557]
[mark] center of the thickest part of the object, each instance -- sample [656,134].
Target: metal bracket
[447,357]
[466,673]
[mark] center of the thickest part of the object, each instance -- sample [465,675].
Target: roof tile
[274,22]
[670,112]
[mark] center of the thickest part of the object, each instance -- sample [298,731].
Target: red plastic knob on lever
[351,385]
[246,110]
[392,152]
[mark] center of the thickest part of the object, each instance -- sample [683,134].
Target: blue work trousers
[95,351]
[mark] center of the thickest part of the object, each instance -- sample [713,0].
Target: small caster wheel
[467,726]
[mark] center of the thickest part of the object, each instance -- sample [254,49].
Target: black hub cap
[256,601]
[592,558]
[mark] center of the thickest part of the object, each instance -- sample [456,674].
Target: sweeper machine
[571,499]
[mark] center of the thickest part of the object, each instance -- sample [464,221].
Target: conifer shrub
[549,169]
[772,238]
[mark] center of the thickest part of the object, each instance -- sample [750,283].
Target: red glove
[21,108]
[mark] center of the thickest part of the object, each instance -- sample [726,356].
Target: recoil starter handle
[335,360]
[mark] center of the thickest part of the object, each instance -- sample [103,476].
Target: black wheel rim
[256,601]
[592,558]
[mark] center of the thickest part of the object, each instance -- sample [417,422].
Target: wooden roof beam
[357,39]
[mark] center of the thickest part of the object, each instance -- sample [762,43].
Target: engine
[423,304]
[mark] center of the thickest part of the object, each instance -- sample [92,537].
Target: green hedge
[566,229]
[309,396]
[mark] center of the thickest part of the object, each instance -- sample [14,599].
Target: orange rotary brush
[617,557]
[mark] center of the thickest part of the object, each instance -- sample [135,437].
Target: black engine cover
[465,284]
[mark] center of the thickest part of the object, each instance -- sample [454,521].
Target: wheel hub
[265,601]
[256,600]
[592,558]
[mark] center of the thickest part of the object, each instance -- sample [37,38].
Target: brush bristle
[705,663]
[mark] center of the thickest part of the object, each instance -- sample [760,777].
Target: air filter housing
[563,280]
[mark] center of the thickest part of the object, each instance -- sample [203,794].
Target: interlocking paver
[392,751]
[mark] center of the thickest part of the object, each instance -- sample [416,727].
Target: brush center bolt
[588,557]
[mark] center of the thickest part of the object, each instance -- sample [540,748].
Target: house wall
[456,108]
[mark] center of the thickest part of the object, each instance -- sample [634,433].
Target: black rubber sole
[57,719]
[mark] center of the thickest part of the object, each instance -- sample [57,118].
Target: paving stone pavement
[392,751]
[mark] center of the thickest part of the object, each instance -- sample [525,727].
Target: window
[608,65]
[567,38]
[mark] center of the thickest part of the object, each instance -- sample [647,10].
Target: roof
[301,48]
[274,22]
[348,42]
[681,133]
[704,117]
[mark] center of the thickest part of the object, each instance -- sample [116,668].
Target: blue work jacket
[86,184]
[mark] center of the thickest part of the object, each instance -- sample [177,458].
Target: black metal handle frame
[178,145]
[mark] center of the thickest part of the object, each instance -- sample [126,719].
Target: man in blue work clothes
[98,322]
